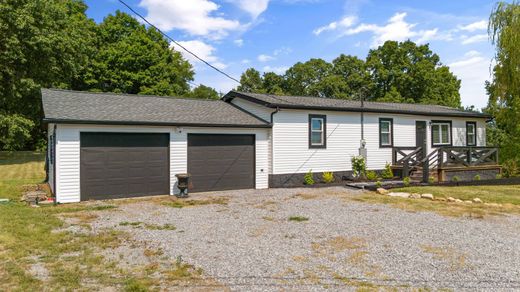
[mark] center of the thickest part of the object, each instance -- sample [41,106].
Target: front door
[420,137]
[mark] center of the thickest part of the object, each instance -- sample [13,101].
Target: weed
[406,181]
[298,218]
[455,178]
[476,177]
[181,203]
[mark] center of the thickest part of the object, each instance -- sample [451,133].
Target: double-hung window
[386,137]
[441,133]
[471,134]
[317,131]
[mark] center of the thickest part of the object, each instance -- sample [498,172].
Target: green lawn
[507,194]
[28,237]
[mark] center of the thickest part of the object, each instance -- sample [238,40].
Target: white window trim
[440,124]
[473,133]
[318,131]
[389,132]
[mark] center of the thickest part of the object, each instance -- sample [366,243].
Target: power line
[175,42]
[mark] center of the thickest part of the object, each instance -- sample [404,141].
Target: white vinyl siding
[255,109]
[68,153]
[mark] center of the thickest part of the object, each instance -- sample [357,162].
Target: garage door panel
[116,165]
[221,162]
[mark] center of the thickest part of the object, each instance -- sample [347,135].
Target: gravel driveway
[250,243]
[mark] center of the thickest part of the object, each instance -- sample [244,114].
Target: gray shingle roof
[307,102]
[68,106]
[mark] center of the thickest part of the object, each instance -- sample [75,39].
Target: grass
[298,218]
[181,203]
[33,236]
[504,194]
[148,225]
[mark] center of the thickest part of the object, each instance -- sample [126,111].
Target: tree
[354,73]
[134,59]
[414,72]
[504,90]
[305,78]
[251,81]
[42,43]
[204,92]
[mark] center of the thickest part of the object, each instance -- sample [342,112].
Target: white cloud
[265,58]
[277,70]
[252,7]
[473,70]
[239,42]
[474,39]
[201,49]
[345,22]
[479,25]
[194,17]
[245,61]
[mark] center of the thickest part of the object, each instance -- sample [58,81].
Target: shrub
[455,178]
[431,180]
[509,168]
[378,184]
[476,177]
[308,179]
[358,166]
[498,176]
[406,181]
[387,173]
[328,177]
[371,175]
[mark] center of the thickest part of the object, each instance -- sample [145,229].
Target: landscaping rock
[451,199]
[34,196]
[458,201]
[493,204]
[468,202]
[415,196]
[382,191]
[441,199]
[477,200]
[427,196]
[401,195]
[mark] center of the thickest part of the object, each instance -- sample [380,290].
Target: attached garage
[221,162]
[121,145]
[118,165]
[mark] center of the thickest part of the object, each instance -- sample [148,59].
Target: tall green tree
[504,90]
[406,72]
[42,44]
[138,60]
[203,92]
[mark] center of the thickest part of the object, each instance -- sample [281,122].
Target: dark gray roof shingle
[307,102]
[108,108]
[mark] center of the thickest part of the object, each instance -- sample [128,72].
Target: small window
[317,131]
[441,133]
[471,134]
[386,132]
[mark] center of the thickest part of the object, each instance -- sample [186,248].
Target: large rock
[427,196]
[451,199]
[458,201]
[468,202]
[401,195]
[477,200]
[382,191]
[415,196]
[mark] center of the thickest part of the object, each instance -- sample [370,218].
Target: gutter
[144,123]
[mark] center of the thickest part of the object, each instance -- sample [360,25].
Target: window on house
[471,134]
[441,133]
[317,131]
[385,132]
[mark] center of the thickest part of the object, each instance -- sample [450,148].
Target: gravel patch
[250,244]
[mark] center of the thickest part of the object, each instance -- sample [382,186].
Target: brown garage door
[119,165]
[221,162]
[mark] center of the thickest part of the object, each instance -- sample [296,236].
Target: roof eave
[144,123]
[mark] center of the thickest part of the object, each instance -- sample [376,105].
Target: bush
[498,176]
[476,177]
[509,168]
[328,177]
[387,173]
[431,180]
[455,178]
[358,166]
[308,179]
[371,175]
[378,184]
[406,181]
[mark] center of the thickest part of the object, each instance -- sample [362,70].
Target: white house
[104,145]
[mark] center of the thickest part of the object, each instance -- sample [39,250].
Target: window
[317,131]
[386,135]
[471,134]
[441,133]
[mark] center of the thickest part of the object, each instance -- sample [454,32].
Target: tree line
[393,72]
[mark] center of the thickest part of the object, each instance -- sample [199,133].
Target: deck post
[405,169]
[426,171]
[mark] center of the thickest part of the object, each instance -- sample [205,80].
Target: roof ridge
[129,94]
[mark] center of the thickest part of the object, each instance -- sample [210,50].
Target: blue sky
[272,35]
